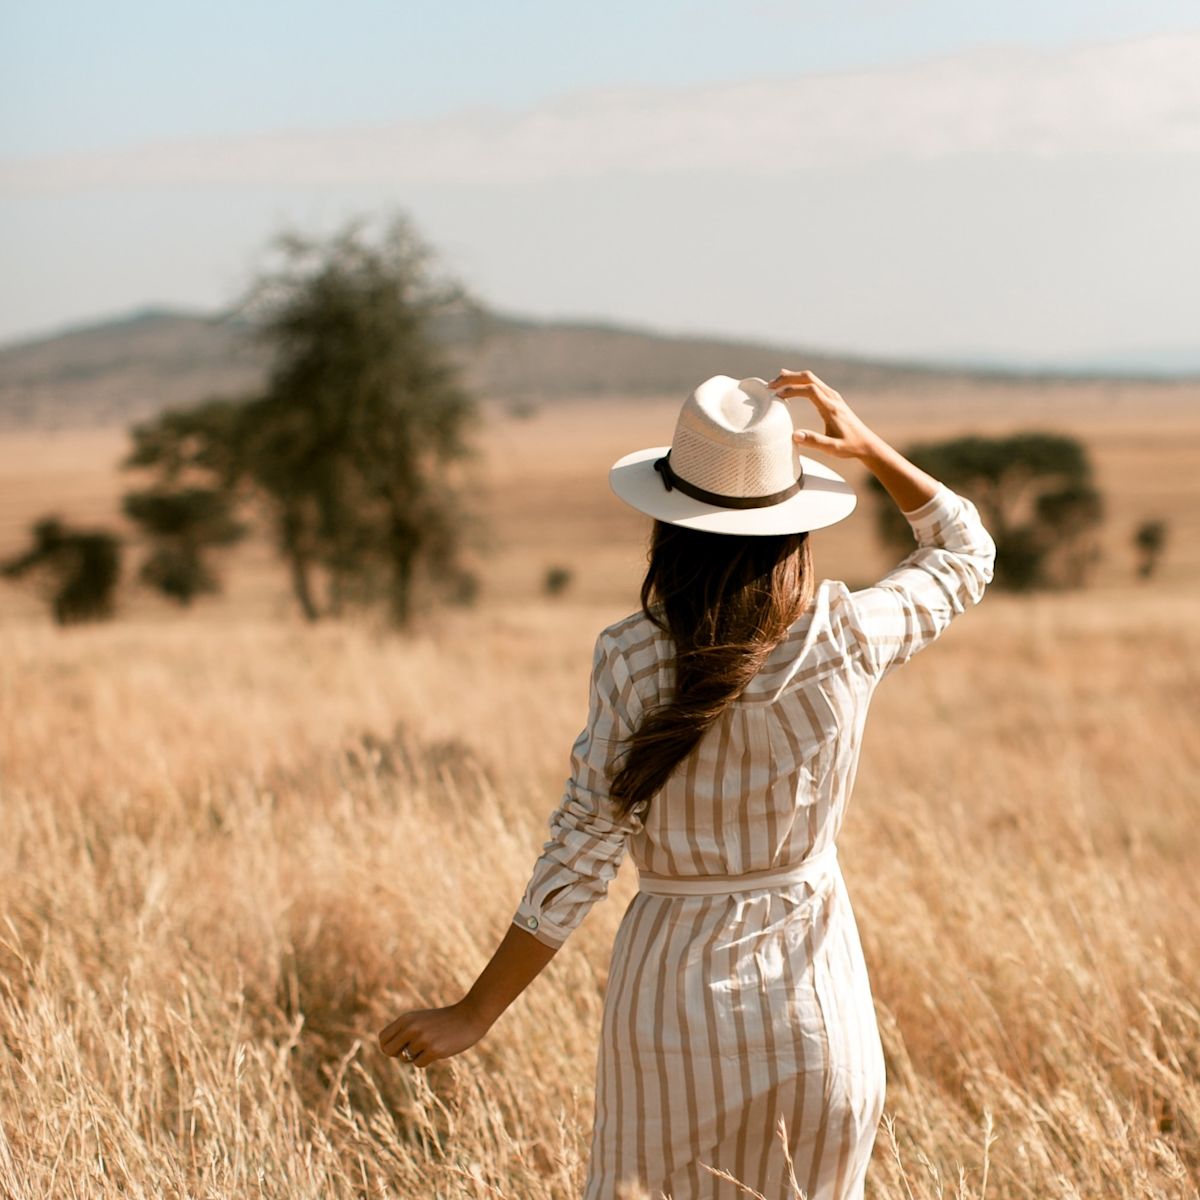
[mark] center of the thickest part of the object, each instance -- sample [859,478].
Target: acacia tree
[351,449]
[1035,493]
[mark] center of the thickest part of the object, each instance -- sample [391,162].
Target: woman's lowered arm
[435,1033]
[581,856]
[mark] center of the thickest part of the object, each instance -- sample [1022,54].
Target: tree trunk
[401,590]
[302,585]
[299,564]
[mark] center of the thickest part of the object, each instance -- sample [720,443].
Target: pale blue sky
[933,177]
[88,75]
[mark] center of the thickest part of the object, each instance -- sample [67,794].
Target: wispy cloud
[1135,96]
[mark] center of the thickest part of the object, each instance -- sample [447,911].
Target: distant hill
[116,371]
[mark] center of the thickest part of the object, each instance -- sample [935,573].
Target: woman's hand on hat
[845,436]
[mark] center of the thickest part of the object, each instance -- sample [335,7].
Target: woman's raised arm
[954,557]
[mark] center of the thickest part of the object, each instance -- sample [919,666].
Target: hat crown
[735,438]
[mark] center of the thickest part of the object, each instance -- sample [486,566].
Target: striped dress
[738,1001]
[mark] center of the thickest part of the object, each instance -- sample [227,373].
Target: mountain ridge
[126,367]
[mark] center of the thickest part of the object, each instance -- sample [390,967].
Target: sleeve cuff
[934,513]
[542,932]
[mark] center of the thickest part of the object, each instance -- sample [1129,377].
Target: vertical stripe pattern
[727,1013]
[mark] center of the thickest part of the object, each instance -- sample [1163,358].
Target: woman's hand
[845,436]
[430,1034]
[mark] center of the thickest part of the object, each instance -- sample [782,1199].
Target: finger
[424,1059]
[811,391]
[394,1036]
[787,378]
[801,379]
[392,1049]
[409,1052]
[815,441]
[809,385]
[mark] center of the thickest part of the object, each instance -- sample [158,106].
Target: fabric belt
[811,869]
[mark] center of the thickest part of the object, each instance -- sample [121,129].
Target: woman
[725,723]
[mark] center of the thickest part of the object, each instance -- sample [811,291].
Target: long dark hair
[726,601]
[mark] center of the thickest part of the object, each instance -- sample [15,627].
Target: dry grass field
[235,846]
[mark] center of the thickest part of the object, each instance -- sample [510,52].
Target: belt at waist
[813,868]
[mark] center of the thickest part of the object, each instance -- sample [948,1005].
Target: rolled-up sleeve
[915,602]
[588,834]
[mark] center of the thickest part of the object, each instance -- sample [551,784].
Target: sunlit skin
[427,1035]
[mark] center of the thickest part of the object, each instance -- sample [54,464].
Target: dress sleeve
[588,834]
[915,602]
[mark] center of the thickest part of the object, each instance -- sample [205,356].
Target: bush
[83,565]
[1035,493]
[556,581]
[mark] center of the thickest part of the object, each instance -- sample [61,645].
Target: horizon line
[1123,365]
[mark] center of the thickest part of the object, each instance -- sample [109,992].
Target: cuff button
[532,922]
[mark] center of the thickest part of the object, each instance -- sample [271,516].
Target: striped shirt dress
[737,1005]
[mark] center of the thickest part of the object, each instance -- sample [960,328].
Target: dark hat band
[673,481]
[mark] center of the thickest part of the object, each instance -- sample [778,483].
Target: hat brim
[824,499]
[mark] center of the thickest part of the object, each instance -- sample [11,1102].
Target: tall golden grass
[234,847]
[229,859]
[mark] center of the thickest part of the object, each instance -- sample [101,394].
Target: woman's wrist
[907,484]
[478,1012]
[874,450]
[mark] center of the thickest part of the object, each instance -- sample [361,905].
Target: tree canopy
[353,450]
[1034,491]
[182,523]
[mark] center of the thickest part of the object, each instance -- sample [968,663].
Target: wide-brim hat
[732,467]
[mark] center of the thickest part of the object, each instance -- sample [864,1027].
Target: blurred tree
[1149,540]
[1035,494]
[556,580]
[182,525]
[84,566]
[197,460]
[352,447]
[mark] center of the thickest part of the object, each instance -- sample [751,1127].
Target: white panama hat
[732,467]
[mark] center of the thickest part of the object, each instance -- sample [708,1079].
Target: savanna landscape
[236,843]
